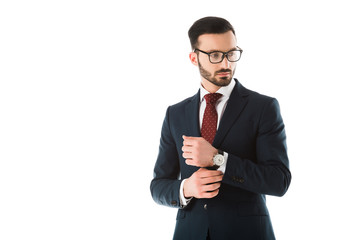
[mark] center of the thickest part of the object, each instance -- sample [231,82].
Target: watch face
[219,159]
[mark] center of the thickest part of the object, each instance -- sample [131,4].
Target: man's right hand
[203,183]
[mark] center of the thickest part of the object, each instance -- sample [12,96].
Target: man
[222,150]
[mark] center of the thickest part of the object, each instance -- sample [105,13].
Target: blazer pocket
[252,209]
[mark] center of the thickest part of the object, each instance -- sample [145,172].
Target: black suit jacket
[252,132]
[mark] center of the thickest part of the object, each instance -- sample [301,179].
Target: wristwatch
[218,160]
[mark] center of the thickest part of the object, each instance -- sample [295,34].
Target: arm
[166,184]
[269,174]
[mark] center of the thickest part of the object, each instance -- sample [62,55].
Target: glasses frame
[223,54]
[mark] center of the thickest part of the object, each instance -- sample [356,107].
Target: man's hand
[203,184]
[198,152]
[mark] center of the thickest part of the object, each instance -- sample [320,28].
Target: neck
[210,87]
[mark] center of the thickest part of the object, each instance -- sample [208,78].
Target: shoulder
[266,107]
[253,96]
[184,103]
[262,99]
[256,101]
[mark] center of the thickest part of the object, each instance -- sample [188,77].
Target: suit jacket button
[205,206]
[173,202]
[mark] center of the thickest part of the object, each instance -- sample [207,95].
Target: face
[214,76]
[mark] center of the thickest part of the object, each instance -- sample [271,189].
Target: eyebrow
[213,50]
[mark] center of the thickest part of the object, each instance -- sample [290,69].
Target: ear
[193,58]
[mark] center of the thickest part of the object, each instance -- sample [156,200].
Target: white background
[84,86]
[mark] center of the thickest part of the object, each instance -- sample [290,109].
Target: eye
[230,54]
[216,55]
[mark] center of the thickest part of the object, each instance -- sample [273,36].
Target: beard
[220,81]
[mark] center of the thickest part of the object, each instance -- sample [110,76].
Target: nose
[225,63]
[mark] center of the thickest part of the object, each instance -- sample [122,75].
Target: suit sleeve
[269,173]
[166,184]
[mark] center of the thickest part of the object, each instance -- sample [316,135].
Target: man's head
[206,25]
[210,37]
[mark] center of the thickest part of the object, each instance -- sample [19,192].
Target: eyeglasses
[218,56]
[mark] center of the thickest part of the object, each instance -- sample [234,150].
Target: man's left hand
[198,152]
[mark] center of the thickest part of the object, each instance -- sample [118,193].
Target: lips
[223,73]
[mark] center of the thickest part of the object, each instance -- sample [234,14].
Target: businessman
[221,150]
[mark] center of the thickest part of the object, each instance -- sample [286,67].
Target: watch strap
[215,167]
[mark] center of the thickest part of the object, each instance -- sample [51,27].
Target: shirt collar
[225,91]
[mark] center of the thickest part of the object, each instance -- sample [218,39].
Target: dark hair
[208,25]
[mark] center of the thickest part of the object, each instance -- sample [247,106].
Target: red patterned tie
[209,124]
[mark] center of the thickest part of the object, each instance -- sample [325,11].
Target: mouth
[223,74]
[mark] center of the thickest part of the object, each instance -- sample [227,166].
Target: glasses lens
[234,56]
[216,57]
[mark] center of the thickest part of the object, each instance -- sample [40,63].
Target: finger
[219,174]
[211,187]
[215,173]
[186,149]
[188,137]
[187,155]
[186,140]
[211,180]
[210,173]
[190,162]
[210,194]
[189,141]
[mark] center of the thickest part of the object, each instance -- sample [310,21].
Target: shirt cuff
[222,168]
[183,201]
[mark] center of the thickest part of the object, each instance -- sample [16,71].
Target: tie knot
[212,98]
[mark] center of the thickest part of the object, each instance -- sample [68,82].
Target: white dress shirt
[220,109]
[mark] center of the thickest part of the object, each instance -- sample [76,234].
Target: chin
[224,81]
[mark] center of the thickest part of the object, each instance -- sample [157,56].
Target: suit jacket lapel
[237,102]
[192,116]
